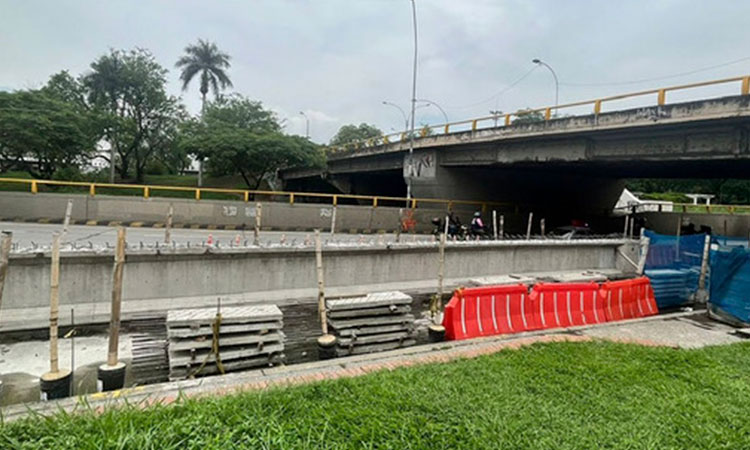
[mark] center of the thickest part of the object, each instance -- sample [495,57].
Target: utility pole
[413,102]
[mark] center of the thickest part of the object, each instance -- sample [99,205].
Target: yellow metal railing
[507,119]
[148,191]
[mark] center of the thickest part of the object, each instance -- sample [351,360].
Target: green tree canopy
[239,137]
[352,133]
[42,134]
[127,90]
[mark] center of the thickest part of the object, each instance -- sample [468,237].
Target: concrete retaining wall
[149,275]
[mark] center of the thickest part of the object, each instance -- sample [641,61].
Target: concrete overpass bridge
[574,164]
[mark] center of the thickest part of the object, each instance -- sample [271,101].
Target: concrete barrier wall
[275,215]
[723,224]
[87,278]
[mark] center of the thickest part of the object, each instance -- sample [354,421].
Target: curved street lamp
[554,75]
[307,124]
[437,106]
[401,110]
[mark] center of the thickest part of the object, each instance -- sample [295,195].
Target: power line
[646,80]
[499,93]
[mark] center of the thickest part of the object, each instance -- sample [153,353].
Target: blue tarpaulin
[673,265]
[730,282]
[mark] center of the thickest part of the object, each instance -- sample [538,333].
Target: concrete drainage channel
[282,276]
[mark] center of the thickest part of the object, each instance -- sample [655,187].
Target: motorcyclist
[477,225]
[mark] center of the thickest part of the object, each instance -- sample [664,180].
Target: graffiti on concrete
[419,165]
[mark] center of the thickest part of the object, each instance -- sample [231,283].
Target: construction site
[184,293]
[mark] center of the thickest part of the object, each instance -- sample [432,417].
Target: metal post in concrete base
[110,378]
[55,385]
[327,346]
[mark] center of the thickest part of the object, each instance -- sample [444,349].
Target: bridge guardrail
[430,130]
[147,191]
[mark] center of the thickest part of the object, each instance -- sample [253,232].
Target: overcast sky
[337,60]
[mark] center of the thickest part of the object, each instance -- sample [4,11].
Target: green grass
[563,395]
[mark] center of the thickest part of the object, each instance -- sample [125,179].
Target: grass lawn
[560,395]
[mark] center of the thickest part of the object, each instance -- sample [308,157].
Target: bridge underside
[575,165]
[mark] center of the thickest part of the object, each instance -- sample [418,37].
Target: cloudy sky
[338,60]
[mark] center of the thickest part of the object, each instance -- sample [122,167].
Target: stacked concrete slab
[373,323]
[249,336]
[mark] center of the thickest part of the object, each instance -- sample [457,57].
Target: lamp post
[307,124]
[413,101]
[445,116]
[554,75]
[401,110]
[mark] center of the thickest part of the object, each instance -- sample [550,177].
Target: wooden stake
[502,227]
[54,303]
[66,221]
[168,227]
[494,224]
[114,320]
[441,265]
[677,241]
[5,244]
[333,220]
[256,230]
[321,286]
[528,225]
[704,262]
[398,228]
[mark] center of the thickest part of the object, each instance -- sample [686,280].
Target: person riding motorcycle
[477,225]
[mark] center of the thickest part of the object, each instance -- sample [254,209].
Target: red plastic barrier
[629,299]
[560,305]
[489,310]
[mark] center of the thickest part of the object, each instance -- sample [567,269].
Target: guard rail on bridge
[477,123]
[146,191]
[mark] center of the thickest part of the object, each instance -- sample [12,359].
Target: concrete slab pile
[376,322]
[206,341]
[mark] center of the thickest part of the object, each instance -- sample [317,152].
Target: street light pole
[445,116]
[307,124]
[413,101]
[554,75]
[403,114]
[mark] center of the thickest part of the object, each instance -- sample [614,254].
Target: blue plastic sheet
[673,265]
[730,281]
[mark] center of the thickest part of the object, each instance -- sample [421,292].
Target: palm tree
[206,60]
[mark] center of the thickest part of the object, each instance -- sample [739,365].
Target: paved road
[25,235]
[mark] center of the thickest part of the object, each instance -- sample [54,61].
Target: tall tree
[205,60]
[128,90]
[42,134]
[239,137]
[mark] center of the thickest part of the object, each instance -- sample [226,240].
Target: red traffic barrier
[489,310]
[560,305]
[629,299]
